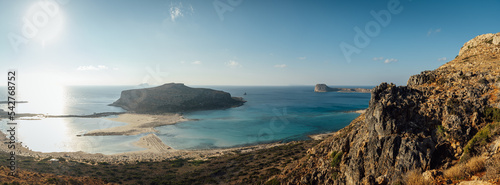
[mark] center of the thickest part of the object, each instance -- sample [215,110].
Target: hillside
[443,123]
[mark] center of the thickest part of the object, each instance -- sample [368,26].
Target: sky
[235,42]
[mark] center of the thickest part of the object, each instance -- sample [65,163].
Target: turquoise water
[270,114]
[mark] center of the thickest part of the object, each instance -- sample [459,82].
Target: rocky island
[173,98]
[325,88]
[442,128]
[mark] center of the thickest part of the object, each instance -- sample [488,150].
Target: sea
[271,114]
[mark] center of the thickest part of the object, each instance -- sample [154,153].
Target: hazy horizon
[238,43]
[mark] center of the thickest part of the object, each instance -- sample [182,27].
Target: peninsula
[325,88]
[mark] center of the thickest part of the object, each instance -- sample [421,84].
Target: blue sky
[237,42]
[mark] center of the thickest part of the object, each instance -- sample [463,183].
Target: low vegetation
[483,136]
[239,168]
[336,158]
[465,170]
[440,130]
[479,141]
[492,114]
[415,177]
[492,168]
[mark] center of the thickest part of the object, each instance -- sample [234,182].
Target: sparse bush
[336,158]
[464,170]
[197,162]
[489,41]
[480,139]
[414,177]
[178,163]
[492,168]
[492,114]
[273,181]
[440,130]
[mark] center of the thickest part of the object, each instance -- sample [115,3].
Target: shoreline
[155,151]
[356,111]
[323,136]
[154,148]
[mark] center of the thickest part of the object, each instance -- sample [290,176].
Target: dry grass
[493,168]
[415,177]
[462,171]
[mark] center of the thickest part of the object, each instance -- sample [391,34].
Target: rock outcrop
[174,97]
[422,126]
[325,88]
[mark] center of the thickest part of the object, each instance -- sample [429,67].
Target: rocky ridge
[175,97]
[427,125]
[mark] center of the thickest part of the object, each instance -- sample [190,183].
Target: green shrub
[489,41]
[273,181]
[492,114]
[197,162]
[440,130]
[481,138]
[336,158]
[178,163]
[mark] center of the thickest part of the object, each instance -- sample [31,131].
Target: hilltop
[440,128]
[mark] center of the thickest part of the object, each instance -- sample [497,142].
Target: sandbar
[138,124]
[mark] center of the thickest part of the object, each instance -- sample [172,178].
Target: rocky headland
[173,98]
[442,128]
[325,88]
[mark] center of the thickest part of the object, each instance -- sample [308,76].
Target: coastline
[155,151]
[357,111]
[154,148]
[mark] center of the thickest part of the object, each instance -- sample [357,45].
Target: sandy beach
[138,124]
[357,111]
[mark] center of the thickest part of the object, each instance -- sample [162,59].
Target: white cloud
[177,10]
[378,58]
[390,60]
[280,65]
[233,64]
[302,58]
[197,62]
[442,59]
[92,68]
[432,31]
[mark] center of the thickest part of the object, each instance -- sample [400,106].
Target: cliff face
[325,88]
[422,126]
[175,98]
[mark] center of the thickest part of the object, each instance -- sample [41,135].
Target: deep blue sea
[271,114]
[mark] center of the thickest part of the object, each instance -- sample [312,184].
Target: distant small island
[325,88]
[173,98]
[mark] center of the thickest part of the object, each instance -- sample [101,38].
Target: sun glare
[44,21]
[43,98]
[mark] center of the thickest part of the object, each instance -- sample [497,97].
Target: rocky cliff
[174,97]
[441,119]
[325,88]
